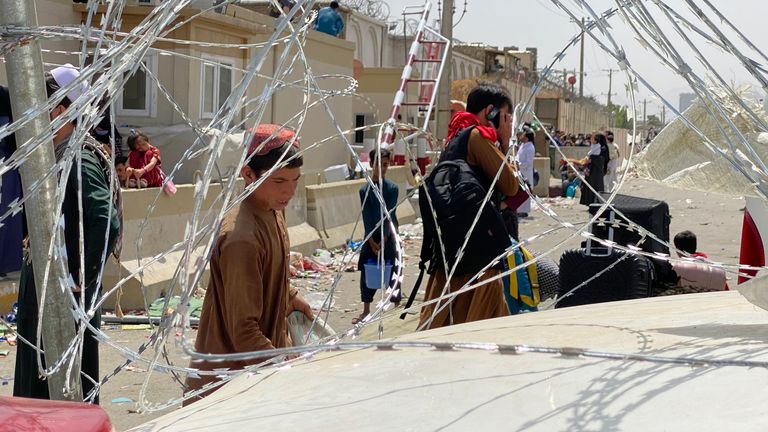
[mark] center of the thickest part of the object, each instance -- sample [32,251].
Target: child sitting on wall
[144,162]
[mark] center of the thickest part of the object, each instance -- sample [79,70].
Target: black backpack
[456,192]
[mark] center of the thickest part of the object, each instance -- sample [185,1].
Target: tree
[654,120]
[620,117]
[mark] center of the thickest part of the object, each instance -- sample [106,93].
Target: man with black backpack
[453,197]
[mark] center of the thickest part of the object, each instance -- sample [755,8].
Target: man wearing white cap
[101,222]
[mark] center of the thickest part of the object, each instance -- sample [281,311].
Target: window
[217,85]
[138,97]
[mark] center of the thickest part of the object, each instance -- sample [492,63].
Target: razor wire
[123,57]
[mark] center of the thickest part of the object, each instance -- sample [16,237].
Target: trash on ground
[316,299]
[10,317]
[136,327]
[156,308]
[322,257]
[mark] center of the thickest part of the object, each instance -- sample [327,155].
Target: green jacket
[100,217]
[97,220]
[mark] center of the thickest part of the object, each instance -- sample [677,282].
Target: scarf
[462,120]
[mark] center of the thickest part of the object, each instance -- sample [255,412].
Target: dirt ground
[716,219]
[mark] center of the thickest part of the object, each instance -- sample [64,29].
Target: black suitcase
[630,278]
[624,276]
[650,214]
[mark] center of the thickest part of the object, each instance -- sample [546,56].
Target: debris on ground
[156,308]
[354,246]
[316,301]
[136,327]
[322,257]
[10,317]
[414,231]
[312,265]
[295,263]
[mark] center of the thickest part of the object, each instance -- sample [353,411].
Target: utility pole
[444,97]
[610,93]
[565,82]
[645,103]
[663,115]
[581,62]
[24,67]
[610,83]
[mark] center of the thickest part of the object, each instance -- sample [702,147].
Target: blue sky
[539,23]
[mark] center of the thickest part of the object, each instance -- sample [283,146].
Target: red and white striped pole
[389,129]
[399,157]
[421,155]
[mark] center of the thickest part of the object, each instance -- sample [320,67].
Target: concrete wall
[465,67]
[167,219]
[334,208]
[370,39]
[166,224]
[327,55]
[541,164]
[378,87]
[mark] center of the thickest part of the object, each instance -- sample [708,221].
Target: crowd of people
[598,168]
[561,138]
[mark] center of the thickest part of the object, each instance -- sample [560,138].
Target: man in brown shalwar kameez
[249,296]
[487,147]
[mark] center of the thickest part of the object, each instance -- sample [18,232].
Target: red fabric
[280,136]
[139,160]
[517,200]
[423,163]
[462,120]
[752,251]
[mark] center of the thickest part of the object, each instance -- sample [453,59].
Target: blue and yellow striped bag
[521,288]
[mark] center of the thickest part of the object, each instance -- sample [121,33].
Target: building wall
[182,77]
[326,56]
[370,39]
[465,67]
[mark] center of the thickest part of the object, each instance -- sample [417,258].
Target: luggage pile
[603,274]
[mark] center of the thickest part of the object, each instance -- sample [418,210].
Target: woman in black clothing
[595,165]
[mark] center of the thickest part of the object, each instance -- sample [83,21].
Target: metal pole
[565,83]
[24,67]
[444,97]
[610,84]
[581,63]
[645,105]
